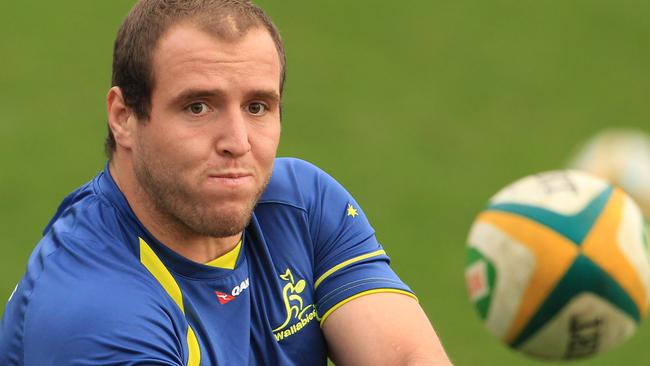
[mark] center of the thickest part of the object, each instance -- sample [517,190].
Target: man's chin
[222,222]
[225,214]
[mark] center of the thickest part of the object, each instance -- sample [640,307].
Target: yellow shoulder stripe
[151,261]
[346,263]
[374,291]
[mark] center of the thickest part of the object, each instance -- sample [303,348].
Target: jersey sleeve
[89,318]
[100,343]
[349,261]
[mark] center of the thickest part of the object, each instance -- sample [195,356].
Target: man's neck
[174,235]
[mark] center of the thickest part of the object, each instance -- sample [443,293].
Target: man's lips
[231,178]
[231,175]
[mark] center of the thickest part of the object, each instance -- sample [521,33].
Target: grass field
[422,109]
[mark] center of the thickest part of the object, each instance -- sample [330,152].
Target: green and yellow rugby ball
[558,265]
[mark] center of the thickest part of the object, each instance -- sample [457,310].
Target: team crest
[297,314]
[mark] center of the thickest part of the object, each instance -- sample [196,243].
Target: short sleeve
[101,343]
[100,321]
[349,261]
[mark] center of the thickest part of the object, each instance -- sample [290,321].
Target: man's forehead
[188,57]
[188,39]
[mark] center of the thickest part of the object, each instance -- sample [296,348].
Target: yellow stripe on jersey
[194,358]
[373,291]
[228,260]
[346,263]
[151,261]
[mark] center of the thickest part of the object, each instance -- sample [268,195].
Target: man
[196,246]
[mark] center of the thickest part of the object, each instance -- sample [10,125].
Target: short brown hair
[149,19]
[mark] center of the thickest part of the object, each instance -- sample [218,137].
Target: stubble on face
[181,208]
[179,157]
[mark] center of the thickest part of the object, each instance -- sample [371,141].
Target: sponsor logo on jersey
[298,315]
[225,298]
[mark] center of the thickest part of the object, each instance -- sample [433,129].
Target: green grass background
[422,109]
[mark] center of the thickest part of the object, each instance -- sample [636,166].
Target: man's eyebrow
[191,94]
[270,95]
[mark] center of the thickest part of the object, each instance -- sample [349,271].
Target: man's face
[206,154]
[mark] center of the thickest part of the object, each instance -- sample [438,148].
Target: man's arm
[382,329]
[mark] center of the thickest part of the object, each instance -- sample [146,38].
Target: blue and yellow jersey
[101,290]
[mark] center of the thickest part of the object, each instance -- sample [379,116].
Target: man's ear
[121,119]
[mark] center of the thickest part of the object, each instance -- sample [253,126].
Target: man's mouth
[232,178]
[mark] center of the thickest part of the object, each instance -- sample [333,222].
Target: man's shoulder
[295,182]
[292,171]
[76,285]
[84,208]
[87,262]
[90,251]
[82,272]
[74,294]
[88,224]
[79,307]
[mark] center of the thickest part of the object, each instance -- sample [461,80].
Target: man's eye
[257,108]
[197,108]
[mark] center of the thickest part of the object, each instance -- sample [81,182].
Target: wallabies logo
[298,315]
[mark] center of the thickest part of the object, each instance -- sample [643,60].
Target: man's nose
[232,138]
